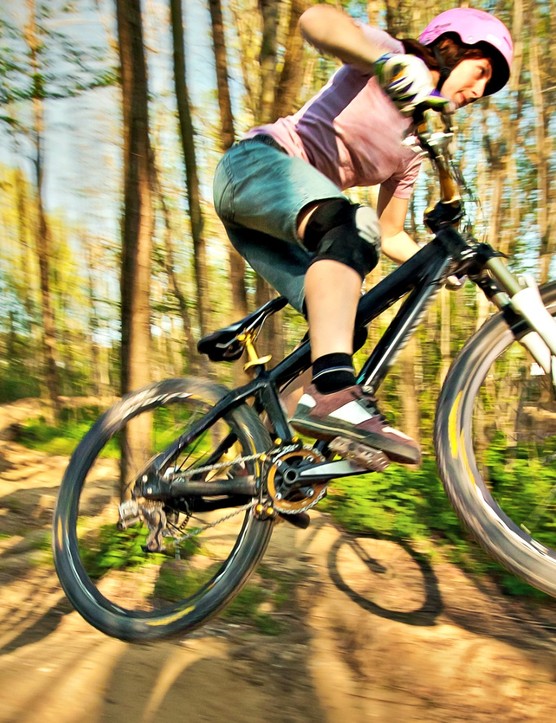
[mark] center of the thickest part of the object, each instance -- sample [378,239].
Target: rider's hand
[407,81]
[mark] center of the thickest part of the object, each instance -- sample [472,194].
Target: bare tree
[137,224]
[187,136]
[43,235]
[291,77]
[542,159]
[173,277]
[227,135]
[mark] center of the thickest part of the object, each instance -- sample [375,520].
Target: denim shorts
[259,192]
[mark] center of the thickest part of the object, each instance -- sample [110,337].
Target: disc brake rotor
[293,501]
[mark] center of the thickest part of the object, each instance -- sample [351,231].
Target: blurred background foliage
[112,268]
[62,169]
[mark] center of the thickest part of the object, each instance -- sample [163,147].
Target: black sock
[333,372]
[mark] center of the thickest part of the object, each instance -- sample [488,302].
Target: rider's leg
[265,197]
[331,314]
[334,405]
[291,395]
[345,240]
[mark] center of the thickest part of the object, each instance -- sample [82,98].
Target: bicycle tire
[482,458]
[86,501]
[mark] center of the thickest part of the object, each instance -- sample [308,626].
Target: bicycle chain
[238,511]
[221,465]
[194,533]
[265,457]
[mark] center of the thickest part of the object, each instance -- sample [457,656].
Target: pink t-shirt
[351,131]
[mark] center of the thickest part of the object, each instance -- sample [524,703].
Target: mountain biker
[279,190]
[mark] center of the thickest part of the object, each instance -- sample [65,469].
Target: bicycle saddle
[223,345]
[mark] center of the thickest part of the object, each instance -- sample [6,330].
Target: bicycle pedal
[300,519]
[372,459]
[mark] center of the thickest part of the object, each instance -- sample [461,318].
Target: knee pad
[344,232]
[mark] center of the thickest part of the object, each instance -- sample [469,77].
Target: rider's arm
[334,32]
[396,243]
[405,79]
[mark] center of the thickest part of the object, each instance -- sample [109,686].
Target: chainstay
[265,457]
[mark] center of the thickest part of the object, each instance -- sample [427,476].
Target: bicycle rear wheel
[110,579]
[495,437]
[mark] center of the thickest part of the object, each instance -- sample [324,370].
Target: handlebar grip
[437,102]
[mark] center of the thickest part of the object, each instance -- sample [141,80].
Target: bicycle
[215,477]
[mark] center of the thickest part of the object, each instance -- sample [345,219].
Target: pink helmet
[472,27]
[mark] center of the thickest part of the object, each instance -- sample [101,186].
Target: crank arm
[181,487]
[317,473]
[325,471]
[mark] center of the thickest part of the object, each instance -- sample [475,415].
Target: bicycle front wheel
[495,437]
[215,542]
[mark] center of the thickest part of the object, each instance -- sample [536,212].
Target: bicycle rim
[110,578]
[496,443]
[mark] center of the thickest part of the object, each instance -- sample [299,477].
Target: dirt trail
[374,633]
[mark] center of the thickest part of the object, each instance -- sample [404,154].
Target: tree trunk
[267,59]
[190,161]
[236,262]
[169,266]
[374,9]
[291,77]
[24,214]
[227,136]
[246,35]
[97,375]
[500,151]
[227,133]
[542,157]
[445,334]
[137,228]
[399,17]
[43,236]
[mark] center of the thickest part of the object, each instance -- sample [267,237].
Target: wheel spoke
[195,560]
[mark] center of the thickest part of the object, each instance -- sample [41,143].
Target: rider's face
[467,81]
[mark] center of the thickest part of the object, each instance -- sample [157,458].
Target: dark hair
[448,50]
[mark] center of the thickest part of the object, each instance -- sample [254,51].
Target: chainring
[288,501]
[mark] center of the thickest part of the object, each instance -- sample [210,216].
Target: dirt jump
[369,629]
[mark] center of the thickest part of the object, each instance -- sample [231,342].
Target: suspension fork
[521,294]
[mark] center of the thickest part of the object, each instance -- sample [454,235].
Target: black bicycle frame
[420,277]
